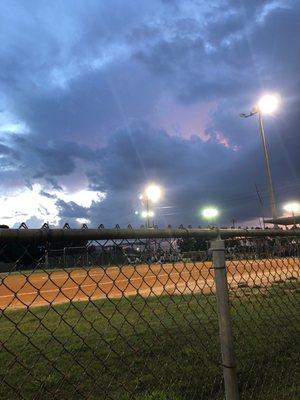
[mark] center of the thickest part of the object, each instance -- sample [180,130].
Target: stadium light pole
[147,214]
[152,194]
[266,105]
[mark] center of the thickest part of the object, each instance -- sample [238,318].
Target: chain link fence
[263,279]
[149,314]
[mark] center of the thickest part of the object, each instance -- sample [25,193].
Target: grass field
[158,348]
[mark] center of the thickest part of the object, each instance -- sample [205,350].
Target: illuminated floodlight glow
[210,212]
[268,103]
[136,212]
[146,214]
[292,207]
[153,193]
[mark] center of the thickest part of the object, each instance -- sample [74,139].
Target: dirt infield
[40,289]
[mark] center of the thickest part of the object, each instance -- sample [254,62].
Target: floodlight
[147,214]
[210,212]
[268,103]
[144,214]
[153,193]
[292,207]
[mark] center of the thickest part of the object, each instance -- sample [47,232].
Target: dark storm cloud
[54,159]
[221,30]
[83,76]
[186,168]
[71,210]
[194,174]
[250,52]
[48,160]
[7,151]
[94,105]
[74,78]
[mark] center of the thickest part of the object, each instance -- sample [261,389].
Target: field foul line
[62,289]
[272,273]
[149,291]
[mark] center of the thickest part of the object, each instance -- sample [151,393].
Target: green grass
[162,348]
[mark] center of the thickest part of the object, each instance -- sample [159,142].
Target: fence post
[225,328]
[64,258]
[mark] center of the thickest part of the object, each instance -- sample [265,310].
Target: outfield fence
[149,314]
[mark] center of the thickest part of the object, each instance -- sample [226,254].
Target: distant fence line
[55,235]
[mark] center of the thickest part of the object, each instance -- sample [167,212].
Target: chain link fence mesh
[137,318]
[263,278]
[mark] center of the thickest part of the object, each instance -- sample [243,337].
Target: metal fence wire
[149,314]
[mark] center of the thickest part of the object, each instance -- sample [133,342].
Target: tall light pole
[151,194]
[147,214]
[267,105]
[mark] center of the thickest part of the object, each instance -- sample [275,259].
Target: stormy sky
[98,98]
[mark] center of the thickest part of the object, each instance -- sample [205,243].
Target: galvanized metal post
[46,259]
[64,258]
[225,326]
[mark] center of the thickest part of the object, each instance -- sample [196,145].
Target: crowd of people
[238,247]
[263,247]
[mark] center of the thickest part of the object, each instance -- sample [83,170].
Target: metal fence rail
[148,314]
